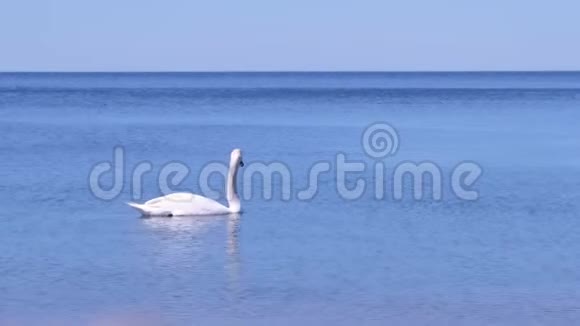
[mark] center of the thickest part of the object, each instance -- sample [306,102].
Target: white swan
[181,203]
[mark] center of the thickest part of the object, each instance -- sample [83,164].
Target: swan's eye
[241,163]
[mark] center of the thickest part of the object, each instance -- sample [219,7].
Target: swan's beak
[241,163]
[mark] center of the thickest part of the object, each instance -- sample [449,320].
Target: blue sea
[510,257]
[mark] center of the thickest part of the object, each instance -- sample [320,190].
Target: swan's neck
[231,192]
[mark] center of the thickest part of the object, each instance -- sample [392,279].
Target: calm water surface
[510,258]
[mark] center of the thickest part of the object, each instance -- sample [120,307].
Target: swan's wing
[175,197]
[182,203]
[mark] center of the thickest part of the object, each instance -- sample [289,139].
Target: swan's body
[181,203]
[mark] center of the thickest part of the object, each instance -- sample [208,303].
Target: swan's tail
[150,211]
[144,210]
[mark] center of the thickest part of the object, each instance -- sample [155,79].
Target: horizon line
[277,71]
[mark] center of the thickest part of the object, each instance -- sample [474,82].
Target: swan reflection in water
[191,239]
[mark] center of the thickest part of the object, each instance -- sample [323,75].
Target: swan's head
[236,157]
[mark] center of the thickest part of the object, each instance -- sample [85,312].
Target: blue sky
[189,35]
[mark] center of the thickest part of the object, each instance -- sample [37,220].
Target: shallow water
[511,257]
